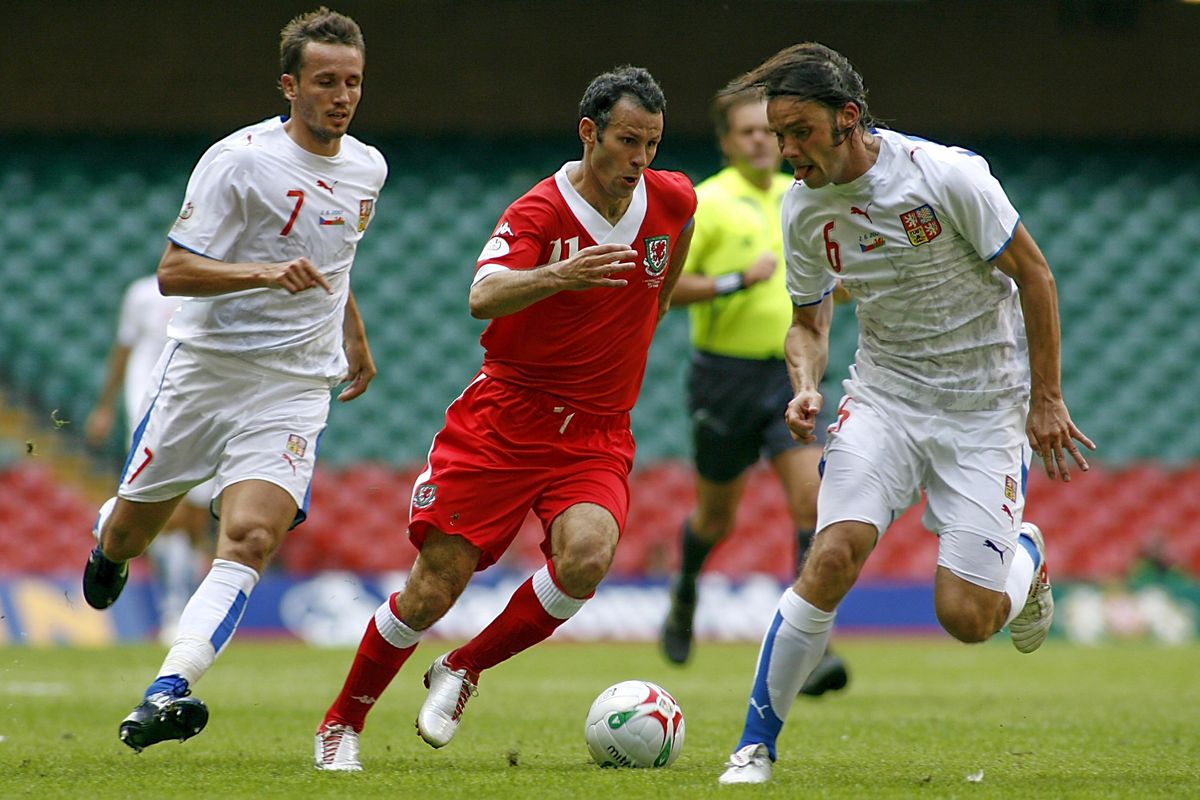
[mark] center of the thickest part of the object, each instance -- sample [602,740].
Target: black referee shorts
[737,407]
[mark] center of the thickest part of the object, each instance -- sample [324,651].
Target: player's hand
[762,269]
[296,276]
[593,266]
[801,416]
[98,425]
[1052,435]
[360,370]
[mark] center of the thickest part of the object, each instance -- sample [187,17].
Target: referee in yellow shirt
[733,285]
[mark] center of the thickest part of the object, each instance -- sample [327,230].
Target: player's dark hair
[810,71]
[726,102]
[321,25]
[607,89]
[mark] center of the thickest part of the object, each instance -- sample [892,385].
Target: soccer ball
[634,724]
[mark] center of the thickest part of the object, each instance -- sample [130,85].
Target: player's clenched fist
[296,276]
[801,416]
[592,266]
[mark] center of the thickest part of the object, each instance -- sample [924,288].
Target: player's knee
[250,544]
[831,562]
[421,606]
[579,570]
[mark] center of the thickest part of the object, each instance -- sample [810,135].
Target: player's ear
[288,85]
[587,131]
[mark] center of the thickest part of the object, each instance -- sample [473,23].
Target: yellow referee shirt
[736,222]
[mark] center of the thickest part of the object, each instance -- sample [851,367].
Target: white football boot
[750,764]
[1029,628]
[337,749]
[449,691]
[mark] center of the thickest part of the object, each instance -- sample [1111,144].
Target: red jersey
[587,347]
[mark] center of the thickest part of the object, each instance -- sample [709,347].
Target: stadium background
[1080,107]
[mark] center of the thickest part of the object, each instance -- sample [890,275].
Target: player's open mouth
[800,173]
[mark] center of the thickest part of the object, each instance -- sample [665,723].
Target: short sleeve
[214,210]
[808,280]
[975,202]
[517,241]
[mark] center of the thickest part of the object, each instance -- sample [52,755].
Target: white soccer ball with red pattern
[634,724]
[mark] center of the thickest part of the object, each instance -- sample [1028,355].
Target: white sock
[209,620]
[392,628]
[557,603]
[800,642]
[791,650]
[1020,576]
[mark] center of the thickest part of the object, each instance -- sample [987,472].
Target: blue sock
[1029,546]
[762,724]
[174,685]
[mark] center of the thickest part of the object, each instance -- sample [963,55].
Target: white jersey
[257,196]
[142,327]
[911,240]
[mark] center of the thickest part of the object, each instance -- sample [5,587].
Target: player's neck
[610,207]
[304,138]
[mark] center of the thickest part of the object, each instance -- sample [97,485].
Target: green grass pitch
[920,715]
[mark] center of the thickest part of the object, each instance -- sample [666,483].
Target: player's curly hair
[321,25]
[607,88]
[809,71]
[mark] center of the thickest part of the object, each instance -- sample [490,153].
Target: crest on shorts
[658,249]
[424,495]
[365,207]
[296,445]
[921,224]
[1010,488]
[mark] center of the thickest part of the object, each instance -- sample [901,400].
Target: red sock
[523,623]
[375,664]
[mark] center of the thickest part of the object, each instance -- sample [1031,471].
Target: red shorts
[506,450]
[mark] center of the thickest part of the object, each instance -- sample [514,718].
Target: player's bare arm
[806,349]
[182,272]
[675,269]
[1052,434]
[509,291]
[360,365]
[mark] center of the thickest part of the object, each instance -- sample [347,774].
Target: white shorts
[200,495]
[883,450]
[223,418]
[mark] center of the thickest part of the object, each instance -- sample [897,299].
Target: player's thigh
[976,493]
[478,484]
[588,497]
[872,472]
[275,440]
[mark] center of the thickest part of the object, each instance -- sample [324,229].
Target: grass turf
[918,718]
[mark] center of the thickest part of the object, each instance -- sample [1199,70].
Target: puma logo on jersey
[862,213]
[323,185]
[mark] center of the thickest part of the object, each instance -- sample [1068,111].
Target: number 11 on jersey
[556,249]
